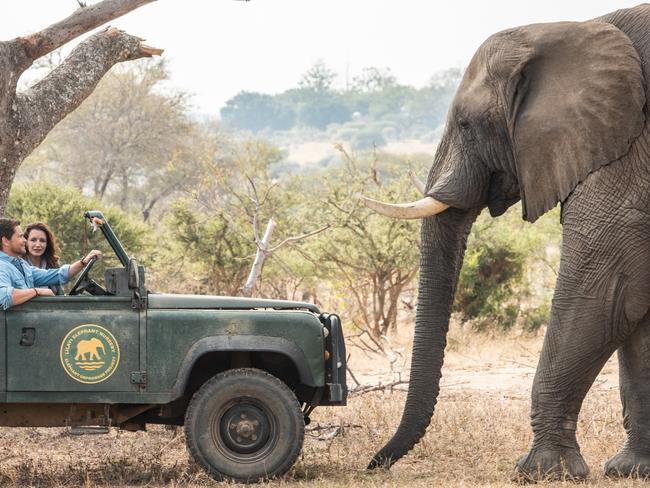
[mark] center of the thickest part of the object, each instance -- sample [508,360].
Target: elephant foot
[539,464]
[628,464]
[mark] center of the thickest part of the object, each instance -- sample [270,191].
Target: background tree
[428,106]
[374,79]
[139,145]
[211,242]
[372,260]
[318,78]
[26,118]
[205,252]
[255,111]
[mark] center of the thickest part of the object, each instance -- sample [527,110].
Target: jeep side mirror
[134,274]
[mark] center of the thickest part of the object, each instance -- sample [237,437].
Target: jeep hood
[157,301]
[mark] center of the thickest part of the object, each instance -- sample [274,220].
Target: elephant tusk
[425,207]
[417,182]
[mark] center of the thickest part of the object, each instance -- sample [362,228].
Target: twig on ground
[174,439]
[319,432]
[319,428]
[354,378]
[363,389]
[527,351]
[521,364]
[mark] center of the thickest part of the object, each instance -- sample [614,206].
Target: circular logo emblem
[89,354]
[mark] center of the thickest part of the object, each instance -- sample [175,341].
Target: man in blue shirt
[19,280]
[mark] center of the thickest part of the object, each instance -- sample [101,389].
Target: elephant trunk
[443,241]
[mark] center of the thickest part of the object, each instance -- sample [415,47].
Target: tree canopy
[374,95]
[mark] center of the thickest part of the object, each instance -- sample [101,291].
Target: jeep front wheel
[244,425]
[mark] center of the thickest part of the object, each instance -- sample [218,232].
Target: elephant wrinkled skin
[550,113]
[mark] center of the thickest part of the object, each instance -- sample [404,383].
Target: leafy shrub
[211,250]
[63,208]
[495,287]
[489,280]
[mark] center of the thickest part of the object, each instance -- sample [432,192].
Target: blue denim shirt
[18,273]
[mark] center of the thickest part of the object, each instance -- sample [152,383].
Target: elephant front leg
[634,376]
[576,347]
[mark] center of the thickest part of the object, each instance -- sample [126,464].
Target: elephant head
[538,110]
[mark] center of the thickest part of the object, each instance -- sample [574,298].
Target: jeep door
[72,343]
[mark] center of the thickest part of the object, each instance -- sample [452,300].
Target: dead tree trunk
[27,117]
[260,256]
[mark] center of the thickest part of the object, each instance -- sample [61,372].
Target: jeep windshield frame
[109,235]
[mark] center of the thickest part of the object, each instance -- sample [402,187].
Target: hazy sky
[217,48]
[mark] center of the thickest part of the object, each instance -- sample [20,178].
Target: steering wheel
[82,281]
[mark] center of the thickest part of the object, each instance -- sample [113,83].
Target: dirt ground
[479,429]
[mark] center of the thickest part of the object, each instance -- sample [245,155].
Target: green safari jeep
[242,375]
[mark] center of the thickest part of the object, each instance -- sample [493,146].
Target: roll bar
[110,236]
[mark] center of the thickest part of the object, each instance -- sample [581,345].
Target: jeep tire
[244,425]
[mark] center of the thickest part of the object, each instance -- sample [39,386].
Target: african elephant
[89,346]
[549,113]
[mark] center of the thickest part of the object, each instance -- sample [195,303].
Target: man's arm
[82,263]
[24,295]
[6,290]
[10,296]
[59,276]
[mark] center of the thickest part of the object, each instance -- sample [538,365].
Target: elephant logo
[89,346]
[90,354]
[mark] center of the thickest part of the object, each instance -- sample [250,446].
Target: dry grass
[480,428]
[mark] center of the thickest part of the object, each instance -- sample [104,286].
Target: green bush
[211,250]
[63,208]
[489,278]
[502,281]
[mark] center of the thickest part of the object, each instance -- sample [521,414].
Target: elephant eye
[464,125]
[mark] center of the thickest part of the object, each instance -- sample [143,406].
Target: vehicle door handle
[28,337]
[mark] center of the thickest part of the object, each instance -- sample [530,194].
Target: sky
[217,48]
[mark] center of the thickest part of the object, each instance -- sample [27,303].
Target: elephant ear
[574,104]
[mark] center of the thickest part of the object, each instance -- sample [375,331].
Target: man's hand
[90,255]
[82,263]
[44,292]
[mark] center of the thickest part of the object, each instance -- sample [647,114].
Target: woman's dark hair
[52,251]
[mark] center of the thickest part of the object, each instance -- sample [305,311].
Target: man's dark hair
[7,227]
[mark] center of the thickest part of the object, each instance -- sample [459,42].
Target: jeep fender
[242,343]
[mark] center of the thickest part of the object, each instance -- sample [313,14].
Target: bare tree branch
[354,378]
[63,90]
[83,20]
[298,238]
[256,201]
[262,252]
[417,183]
